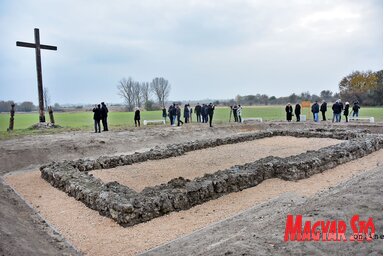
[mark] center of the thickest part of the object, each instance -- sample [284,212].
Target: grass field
[121,120]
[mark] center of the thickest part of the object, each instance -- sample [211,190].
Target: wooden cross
[37,47]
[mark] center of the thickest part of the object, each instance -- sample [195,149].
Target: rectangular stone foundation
[129,207]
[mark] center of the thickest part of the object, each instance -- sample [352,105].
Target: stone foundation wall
[129,207]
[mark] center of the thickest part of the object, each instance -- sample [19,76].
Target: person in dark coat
[289,111]
[337,107]
[346,111]
[234,109]
[297,112]
[178,114]
[323,109]
[104,116]
[97,117]
[355,109]
[198,113]
[137,117]
[204,113]
[210,111]
[315,110]
[186,113]
[174,113]
[170,114]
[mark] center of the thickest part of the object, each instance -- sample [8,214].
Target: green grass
[122,120]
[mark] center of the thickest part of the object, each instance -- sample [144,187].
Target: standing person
[204,113]
[186,113]
[198,113]
[341,107]
[137,117]
[170,114]
[323,109]
[315,110]
[174,113]
[104,116]
[234,109]
[355,109]
[97,116]
[346,111]
[336,107]
[178,114]
[164,114]
[289,110]
[297,112]
[210,110]
[239,110]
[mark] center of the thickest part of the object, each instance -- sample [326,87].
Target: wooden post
[12,119]
[39,76]
[50,111]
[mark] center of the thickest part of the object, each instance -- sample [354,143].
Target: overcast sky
[205,49]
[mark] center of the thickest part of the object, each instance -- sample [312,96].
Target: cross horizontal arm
[42,46]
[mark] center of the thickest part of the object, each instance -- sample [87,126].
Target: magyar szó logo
[330,230]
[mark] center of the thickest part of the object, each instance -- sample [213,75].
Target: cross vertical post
[39,76]
[37,47]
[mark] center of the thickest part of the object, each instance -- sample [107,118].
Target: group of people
[236,110]
[174,114]
[204,113]
[338,108]
[100,113]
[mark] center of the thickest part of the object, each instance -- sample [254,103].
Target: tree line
[366,87]
[26,106]
[139,94]
[263,99]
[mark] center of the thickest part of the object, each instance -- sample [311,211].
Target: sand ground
[196,163]
[97,235]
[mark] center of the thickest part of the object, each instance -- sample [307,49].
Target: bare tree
[145,92]
[161,88]
[47,99]
[126,88]
[137,94]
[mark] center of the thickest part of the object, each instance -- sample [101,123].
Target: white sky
[204,48]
